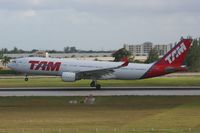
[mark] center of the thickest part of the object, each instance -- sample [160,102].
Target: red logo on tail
[176,53]
[172,61]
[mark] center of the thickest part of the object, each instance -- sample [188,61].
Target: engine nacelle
[68,76]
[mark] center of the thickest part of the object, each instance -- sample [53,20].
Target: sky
[95,24]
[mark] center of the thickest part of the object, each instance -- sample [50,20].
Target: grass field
[57,82]
[106,115]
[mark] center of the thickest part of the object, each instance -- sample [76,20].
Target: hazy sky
[95,24]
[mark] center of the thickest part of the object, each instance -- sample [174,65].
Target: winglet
[126,62]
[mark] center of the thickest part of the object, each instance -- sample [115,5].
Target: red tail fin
[176,56]
[172,61]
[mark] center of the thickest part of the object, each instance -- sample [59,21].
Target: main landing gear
[94,84]
[26,78]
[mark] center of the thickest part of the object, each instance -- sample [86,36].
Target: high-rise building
[134,49]
[144,49]
[161,48]
[170,46]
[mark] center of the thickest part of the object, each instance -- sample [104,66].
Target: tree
[34,50]
[153,56]
[193,57]
[21,51]
[66,49]
[1,54]
[121,53]
[4,50]
[70,49]
[73,49]
[5,60]
[15,50]
[138,61]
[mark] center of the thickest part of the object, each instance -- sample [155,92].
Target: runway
[108,91]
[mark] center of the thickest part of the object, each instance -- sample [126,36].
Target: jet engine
[69,76]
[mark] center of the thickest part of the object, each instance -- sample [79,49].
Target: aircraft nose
[11,64]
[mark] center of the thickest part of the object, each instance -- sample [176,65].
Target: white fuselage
[72,70]
[130,72]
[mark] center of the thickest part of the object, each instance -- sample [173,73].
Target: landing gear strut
[26,78]
[98,86]
[94,84]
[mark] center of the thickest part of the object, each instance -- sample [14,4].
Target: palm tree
[122,53]
[5,60]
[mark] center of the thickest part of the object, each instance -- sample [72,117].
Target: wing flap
[98,73]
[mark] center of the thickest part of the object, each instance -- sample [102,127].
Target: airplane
[73,70]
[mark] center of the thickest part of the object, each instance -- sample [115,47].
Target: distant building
[144,49]
[162,49]
[79,56]
[41,54]
[147,47]
[136,49]
[170,46]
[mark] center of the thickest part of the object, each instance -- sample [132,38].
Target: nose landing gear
[26,78]
[94,84]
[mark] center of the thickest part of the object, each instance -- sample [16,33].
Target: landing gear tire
[93,84]
[98,86]
[26,79]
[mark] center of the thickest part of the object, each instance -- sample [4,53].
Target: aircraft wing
[98,73]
